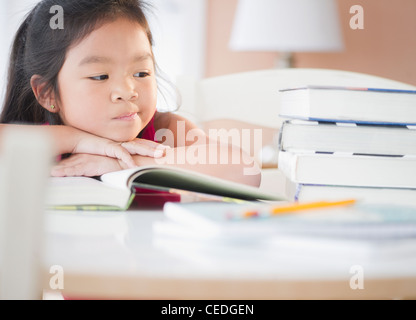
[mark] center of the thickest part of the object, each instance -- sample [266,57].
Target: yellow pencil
[299,206]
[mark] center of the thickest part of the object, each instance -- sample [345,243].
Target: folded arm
[190,149]
[74,141]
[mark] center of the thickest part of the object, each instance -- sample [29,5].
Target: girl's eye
[99,78]
[141,74]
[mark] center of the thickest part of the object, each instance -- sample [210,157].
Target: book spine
[280,137]
[288,163]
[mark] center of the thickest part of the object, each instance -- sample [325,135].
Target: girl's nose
[124,91]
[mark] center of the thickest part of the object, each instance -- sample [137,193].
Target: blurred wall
[385,47]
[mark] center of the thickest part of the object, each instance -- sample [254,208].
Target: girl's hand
[88,165]
[122,151]
[144,147]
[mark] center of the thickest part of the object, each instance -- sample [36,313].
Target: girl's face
[107,84]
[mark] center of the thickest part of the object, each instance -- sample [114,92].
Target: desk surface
[117,255]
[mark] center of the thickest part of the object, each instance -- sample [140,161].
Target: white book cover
[381,195]
[348,169]
[348,104]
[299,135]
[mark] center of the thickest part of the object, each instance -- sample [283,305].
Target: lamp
[286,26]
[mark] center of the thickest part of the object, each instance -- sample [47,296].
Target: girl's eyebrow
[98,59]
[142,57]
[94,59]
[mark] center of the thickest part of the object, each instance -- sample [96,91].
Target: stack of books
[342,142]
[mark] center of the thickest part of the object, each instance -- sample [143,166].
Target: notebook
[223,221]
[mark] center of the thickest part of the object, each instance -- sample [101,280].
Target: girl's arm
[70,140]
[192,149]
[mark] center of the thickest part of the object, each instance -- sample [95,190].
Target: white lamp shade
[286,25]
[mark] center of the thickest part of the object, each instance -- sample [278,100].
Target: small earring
[52,107]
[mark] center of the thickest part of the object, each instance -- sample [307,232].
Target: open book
[116,190]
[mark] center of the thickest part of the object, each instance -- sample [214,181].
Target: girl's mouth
[128,116]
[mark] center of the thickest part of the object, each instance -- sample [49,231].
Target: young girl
[92,85]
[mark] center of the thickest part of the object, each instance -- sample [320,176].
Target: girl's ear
[45,98]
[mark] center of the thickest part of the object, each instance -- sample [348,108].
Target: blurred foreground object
[25,160]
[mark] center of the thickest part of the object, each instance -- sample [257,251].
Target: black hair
[39,49]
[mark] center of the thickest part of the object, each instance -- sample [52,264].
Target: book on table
[346,141]
[348,169]
[116,190]
[225,221]
[315,192]
[348,104]
[299,135]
